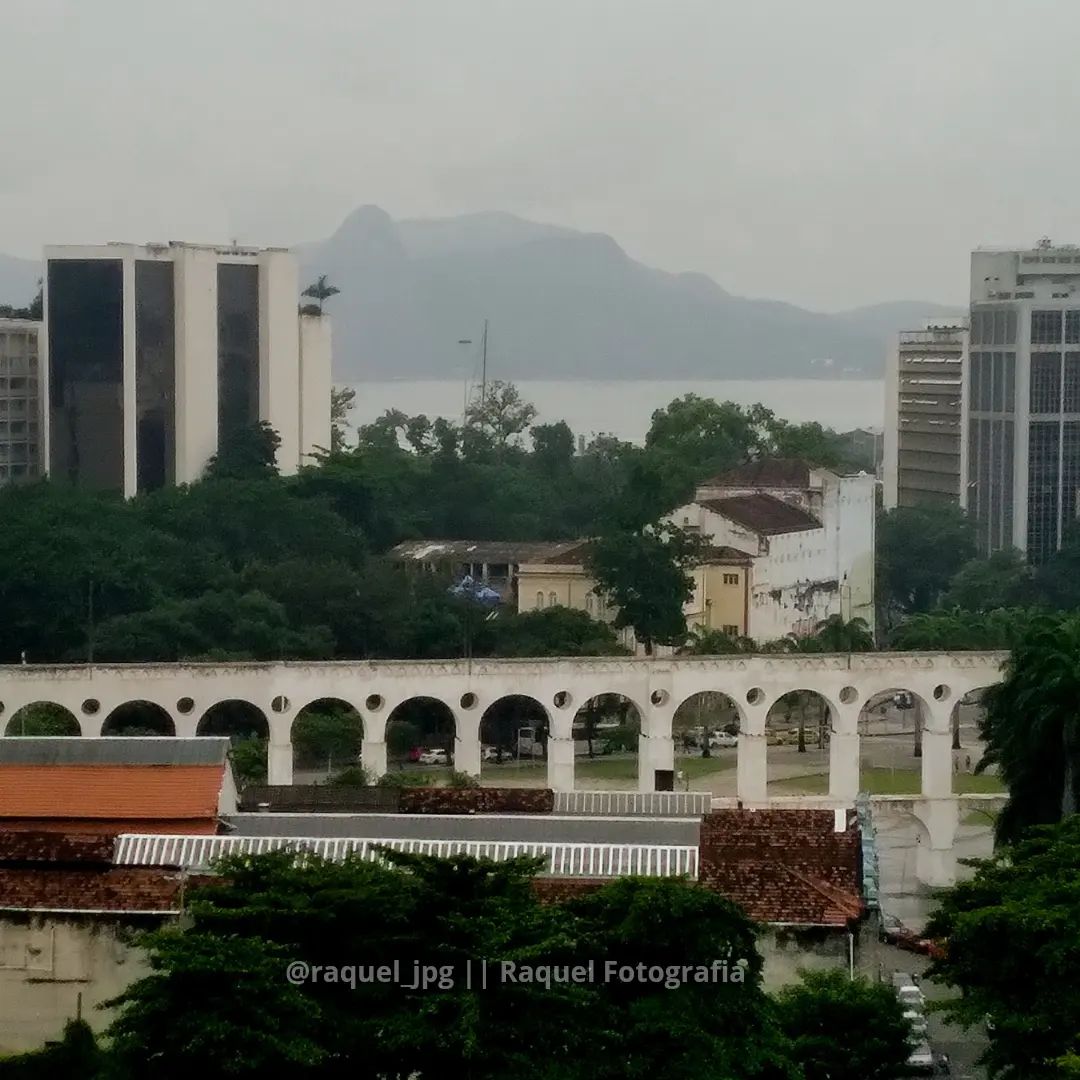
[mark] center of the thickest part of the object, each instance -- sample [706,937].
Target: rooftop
[762,513]
[482,551]
[767,473]
[784,866]
[114,750]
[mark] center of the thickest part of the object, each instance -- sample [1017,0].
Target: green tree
[835,635]
[76,1056]
[553,447]
[645,575]
[844,1029]
[708,641]
[342,402]
[557,631]
[919,551]
[1031,729]
[321,291]
[1013,952]
[248,756]
[501,417]
[1001,581]
[1057,581]
[43,718]
[215,1005]
[246,453]
[327,735]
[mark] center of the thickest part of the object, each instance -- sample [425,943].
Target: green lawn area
[878,781]
[609,768]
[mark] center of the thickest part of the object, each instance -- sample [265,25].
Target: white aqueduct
[656,687]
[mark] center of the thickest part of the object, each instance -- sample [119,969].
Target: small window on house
[539,600]
[553,600]
[589,605]
[730,630]
[731,579]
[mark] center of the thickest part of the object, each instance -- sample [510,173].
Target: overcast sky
[830,153]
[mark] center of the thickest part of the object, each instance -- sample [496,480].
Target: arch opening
[138,718]
[43,718]
[420,737]
[797,737]
[327,737]
[606,731]
[705,729]
[513,742]
[248,732]
[890,729]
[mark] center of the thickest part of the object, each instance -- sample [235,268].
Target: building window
[1045,382]
[155,375]
[238,348]
[539,600]
[1072,327]
[730,629]
[1045,327]
[553,600]
[731,579]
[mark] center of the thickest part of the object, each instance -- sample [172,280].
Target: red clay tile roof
[55,848]
[784,866]
[769,473]
[120,890]
[763,513]
[110,792]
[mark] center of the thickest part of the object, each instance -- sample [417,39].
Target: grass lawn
[879,781]
[608,768]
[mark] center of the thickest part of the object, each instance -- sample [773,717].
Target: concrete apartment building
[925,452]
[153,354]
[1022,392]
[20,402]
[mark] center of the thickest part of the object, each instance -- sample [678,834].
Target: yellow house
[721,599]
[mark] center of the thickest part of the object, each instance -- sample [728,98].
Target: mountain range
[561,304]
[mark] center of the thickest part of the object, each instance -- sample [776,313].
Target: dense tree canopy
[1013,952]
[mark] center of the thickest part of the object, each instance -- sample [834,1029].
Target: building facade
[924,449]
[153,355]
[1022,394]
[20,400]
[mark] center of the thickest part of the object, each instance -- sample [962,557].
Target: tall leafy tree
[1003,580]
[1013,952]
[876,1039]
[246,453]
[1031,727]
[320,291]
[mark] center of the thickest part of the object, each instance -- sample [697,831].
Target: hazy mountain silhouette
[561,304]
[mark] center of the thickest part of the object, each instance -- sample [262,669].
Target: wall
[789,950]
[316,350]
[717,604]
[279,353]
[47,962]
[854,507]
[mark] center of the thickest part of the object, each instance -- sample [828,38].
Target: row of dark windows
[990,480]
[993,382]
[86,367]
[997,325]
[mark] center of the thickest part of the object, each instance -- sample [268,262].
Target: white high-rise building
[1022,397]
[153,354]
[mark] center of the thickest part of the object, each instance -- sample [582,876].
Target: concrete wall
[316,350]
[279,353]
[48,962]
[789,950]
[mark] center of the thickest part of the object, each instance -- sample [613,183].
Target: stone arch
[43,718]
[798,729]
[139,717]
[513,729]
[420,723]
[607,726]
[703,723]
[248,731]
[327,735]
[890,726]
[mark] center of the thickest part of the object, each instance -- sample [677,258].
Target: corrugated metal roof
[113,750]
[570,860]
[481,551]
[763,513]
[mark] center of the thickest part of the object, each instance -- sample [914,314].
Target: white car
[917,1022]
[434,757]
[722,738]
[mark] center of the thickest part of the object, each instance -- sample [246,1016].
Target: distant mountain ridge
[562,304]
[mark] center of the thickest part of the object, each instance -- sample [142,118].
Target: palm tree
[321,291]
[1031,729]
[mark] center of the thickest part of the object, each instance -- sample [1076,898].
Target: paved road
[545,827]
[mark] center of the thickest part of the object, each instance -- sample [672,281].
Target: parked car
[489,753]
[723,739]
[917,1022]
[894,932]
[921,1059]
[434,757]
[910,996]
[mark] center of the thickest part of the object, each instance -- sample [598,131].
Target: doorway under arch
[606,732]
[705,731]
[138,718]
[327,736]
[420,736]
[513,741]
[797,744]
[248,732]
[43,718]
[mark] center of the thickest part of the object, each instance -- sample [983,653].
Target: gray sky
[832,153]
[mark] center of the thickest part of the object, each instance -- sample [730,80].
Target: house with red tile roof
[115,784]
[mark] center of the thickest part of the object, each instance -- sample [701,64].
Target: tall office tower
[1022,397]
[20,401]
[924,448]
[156,353]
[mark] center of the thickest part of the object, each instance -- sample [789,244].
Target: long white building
[153,354]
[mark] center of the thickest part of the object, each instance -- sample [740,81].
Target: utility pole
[90,622]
